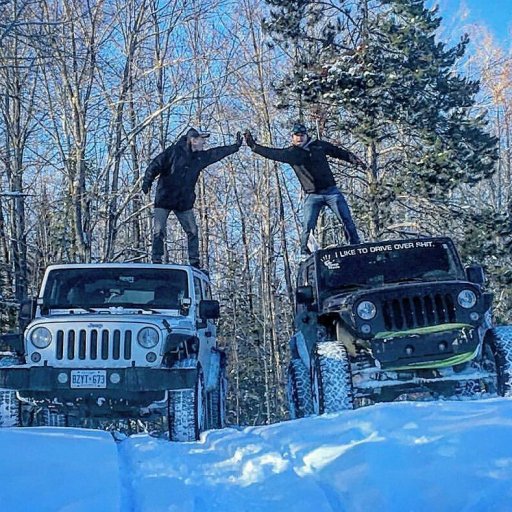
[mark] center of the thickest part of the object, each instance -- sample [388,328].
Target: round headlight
[467,299]
[41,337]
[147,337]
[366,310]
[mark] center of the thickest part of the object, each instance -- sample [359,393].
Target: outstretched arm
[215,154]
[341,154]
[279,155]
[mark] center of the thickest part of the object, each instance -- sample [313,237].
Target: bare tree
[19,79]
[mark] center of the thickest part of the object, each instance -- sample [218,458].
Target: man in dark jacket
[308,159]
[178,169]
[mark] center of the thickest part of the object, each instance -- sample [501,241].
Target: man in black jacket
[178,169]
[308,159]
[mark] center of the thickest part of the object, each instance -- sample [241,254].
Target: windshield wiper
[94,308]
[351,286]
[405,280]
[127,305]
[67,306]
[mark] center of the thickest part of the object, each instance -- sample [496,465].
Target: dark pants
[334,199]
[188,223]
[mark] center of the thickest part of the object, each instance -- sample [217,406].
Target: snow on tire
[300,398]
[9,409]
[332,379]
[182,421]
[216,402]
[186,408]
[53,419]
[501,344]
[10,406]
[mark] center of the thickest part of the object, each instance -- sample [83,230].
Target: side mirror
[11,342]
[475,274]
[209,309]
[304,295]
[27,312]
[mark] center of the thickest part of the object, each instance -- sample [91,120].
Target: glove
[249,139]
[145,187]
[238,139]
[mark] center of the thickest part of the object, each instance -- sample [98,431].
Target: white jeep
[117,340]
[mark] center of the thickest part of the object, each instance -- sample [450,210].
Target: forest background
[92,90]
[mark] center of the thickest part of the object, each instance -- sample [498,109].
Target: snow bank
[430,456]
[444,456]
[49,469]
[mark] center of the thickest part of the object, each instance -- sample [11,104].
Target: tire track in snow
[332,500]
[125,465]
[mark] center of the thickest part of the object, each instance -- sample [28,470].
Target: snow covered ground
[437,456]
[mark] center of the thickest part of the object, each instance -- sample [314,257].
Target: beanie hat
[192,133]
[299,128]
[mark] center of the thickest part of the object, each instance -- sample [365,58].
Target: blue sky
[495,14]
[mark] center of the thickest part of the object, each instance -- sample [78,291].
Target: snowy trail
[231,470]
[128,502]
[48,469]
[442,456]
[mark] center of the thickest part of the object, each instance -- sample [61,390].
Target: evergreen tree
[487,240]
[380,73]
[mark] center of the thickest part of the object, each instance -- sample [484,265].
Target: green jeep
[393,320]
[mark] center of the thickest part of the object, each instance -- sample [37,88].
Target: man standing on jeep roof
[308,159]
[178,168]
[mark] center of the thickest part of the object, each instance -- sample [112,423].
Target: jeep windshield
[395,261]
[102,287]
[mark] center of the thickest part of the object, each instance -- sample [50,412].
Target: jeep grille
[418,311]
[93,345]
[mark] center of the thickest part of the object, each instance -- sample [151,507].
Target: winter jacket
[178,170]
[309,162]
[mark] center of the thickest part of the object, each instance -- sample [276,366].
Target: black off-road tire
[470,389]
[51,418]
[500,341]
[331,378]
[186,411]
[300,397]
[216,402]
[10,406]
[10,409]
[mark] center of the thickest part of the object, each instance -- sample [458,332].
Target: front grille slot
[117,345]
[93,344]
[81,345]
[418,311]
[104,345]
[128,346]
[71,345]
[60,345]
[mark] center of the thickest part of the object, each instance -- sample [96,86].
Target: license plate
[88,378]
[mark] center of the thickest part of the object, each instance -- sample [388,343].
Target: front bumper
[45,380]
[429,348]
